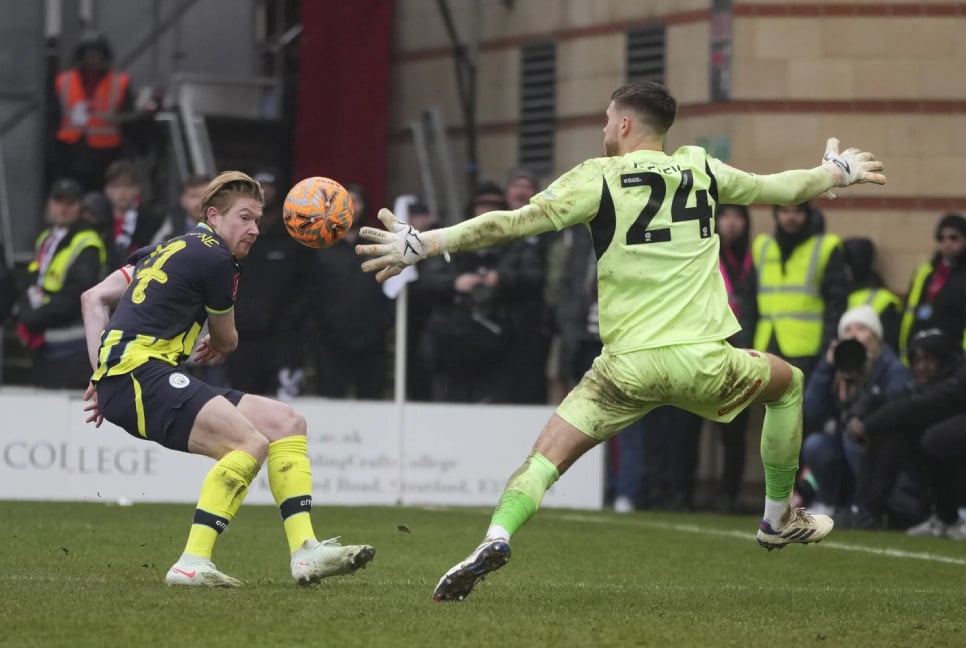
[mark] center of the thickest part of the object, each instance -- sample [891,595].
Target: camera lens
[849,356]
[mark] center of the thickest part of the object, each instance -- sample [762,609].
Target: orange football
[317,212]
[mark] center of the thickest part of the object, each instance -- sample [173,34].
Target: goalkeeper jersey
[651,216]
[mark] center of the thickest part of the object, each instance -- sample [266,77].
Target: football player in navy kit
[163,297]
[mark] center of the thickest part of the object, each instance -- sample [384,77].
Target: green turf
[91,575]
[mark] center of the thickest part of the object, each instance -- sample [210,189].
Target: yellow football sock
[222,493]
[290,478]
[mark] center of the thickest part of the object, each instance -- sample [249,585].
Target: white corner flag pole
[400,364]
[395,288]
[400,381]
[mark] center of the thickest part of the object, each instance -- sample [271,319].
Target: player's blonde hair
[225,188]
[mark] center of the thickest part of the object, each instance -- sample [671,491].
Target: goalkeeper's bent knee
[793,395]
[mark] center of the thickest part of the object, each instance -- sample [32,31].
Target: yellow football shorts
[710,379]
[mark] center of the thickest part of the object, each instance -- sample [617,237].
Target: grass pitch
[92,575]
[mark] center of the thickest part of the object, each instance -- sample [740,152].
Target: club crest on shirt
[179,380]
[234,286]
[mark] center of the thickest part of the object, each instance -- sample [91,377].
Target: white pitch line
[693,528]
[50,578]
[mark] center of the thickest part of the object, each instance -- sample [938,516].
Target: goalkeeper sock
[781,442]
[522,496]
[222,493]
[290,478]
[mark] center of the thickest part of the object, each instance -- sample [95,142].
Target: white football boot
[316,560]
[198,572]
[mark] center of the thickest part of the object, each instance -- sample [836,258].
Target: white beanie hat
[861,315]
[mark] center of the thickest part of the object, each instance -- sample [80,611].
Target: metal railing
[435,162]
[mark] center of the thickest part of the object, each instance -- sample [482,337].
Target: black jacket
[277,278]
[523,280]
[922,405]
[948,310]
[8,287]
[351,310]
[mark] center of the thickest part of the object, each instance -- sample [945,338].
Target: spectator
[936,294]
[91,100]
[521,186]
[944,458]
[868,288]
[134,225]
[352,319]
[836,394]
[667,457]
[70,258]
[523,277]
[96,210]
[418,375]
[8,287]
[802,287]
[574,298]
[733,225]
[466,340]
[186,216]
[891,433]
[271,305]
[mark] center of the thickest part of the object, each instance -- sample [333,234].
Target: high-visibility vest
[101,129]
[923,272]
[878,298]
[790,303]
[56,273]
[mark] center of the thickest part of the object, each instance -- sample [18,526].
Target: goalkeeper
[664,314]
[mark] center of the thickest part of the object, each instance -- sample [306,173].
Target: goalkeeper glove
[851,166]
[397,246]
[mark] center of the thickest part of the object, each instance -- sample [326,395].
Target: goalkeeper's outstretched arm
[401,245]
[496,228]
[849,167]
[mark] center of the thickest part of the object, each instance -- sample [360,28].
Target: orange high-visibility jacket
[101,130]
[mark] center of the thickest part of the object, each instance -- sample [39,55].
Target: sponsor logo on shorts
[179,380]
[741,401]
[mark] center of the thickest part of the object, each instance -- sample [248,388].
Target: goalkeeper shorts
[711,379]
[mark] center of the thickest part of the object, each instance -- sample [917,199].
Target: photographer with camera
[857,371]
[467,337]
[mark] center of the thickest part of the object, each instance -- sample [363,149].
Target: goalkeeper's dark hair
[650,100]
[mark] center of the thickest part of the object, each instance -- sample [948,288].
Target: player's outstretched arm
[401,245]
[851,166]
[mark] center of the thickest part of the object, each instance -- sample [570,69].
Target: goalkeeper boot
[316,560]
[198,572]
[458,582]
[798,526]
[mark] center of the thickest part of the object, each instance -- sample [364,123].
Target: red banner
[342,114]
